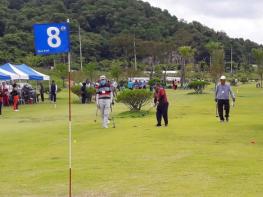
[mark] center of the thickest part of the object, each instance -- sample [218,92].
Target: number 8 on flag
[51,38]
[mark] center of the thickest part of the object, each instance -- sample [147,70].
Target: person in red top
[160,99]
[104,100]
[174,84]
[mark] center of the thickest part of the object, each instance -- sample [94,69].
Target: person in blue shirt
[140,84]
[136,85]
[130,85]
[222,93]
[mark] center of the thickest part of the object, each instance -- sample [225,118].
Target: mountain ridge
[103,20]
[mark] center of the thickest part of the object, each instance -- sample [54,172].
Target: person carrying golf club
[161,101]
[104,99]
[222,93]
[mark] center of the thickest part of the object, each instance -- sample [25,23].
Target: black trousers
[223,105]
[42,96]
[162,112]
[83,98]
[54,97]
[1,104]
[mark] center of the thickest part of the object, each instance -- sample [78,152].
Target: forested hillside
[108,28]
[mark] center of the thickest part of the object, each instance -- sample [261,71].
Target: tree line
[113,31]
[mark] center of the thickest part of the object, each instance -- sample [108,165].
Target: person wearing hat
[222,93]
[104,99]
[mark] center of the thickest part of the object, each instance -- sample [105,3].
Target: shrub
[152,82]
[198,86]
[76,90]
[90,92]
[134,99]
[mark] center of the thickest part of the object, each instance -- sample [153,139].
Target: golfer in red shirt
[160,99]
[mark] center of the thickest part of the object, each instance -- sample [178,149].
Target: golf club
[112,117]
[217,109]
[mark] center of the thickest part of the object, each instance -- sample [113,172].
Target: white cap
[223,78]
[102,77]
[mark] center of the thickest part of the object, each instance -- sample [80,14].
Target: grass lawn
[195,156]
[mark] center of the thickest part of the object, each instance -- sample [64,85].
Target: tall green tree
[116,70]
[187,54]
[217,56]
[153,52]
[90,69]
[211,47]
[217,68]
[258,55]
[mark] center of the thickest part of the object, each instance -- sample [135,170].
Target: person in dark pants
[222,93]
[42,91]
[84,93]
[160,99]
[53,92]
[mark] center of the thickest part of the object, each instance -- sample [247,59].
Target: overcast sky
[238,18]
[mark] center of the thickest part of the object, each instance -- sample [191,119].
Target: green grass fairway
[195,156]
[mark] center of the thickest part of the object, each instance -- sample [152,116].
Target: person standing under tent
[53,92]
[161,101]
[104,99]
[15,96]
[42,91]
[222,93]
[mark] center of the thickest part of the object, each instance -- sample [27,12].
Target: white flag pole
[69,123]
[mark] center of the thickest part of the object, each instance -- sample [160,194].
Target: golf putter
[112,118]
[217,110]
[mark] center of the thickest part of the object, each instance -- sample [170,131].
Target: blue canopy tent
[5,75]
[24,72]
[12,69]
[33,74]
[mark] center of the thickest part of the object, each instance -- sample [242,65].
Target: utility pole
[80,51]
[135,55]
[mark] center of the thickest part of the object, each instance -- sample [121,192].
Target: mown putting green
[194,156]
